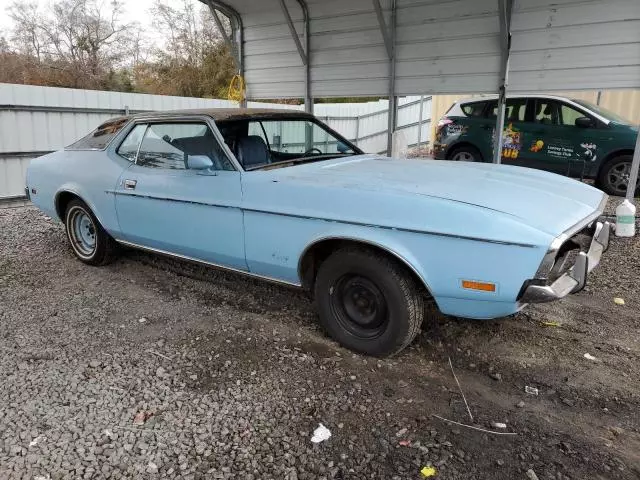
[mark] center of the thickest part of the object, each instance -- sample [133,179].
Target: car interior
[250,150]
[253,151]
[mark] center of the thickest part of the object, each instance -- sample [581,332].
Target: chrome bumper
[576,278]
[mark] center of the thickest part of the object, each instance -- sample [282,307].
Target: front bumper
[575,278]
[439,151]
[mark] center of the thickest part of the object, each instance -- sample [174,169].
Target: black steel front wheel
[359,306]
[368,301]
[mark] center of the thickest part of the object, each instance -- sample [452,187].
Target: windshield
[608,114]
[260,143]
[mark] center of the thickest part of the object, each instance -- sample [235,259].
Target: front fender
[441,262]
[377,239]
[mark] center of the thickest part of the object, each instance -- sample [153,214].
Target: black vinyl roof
[226,114]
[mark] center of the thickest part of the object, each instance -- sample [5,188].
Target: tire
[614,175]
[368,302]
[89,242]
[466,153]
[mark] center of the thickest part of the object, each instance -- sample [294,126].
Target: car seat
[252,151]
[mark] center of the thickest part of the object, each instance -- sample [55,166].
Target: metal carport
[329,48]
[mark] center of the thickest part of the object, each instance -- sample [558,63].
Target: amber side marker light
[482,286]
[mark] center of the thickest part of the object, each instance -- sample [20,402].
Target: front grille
[566,256]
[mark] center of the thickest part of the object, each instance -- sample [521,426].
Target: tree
[85,44]
[194,61]
[75,43]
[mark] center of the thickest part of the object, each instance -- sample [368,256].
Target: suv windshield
[260,143]
[603,112]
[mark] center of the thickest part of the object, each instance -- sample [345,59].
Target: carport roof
[357,47]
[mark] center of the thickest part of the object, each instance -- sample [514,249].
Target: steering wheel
[311,150]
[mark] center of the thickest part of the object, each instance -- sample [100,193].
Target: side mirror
[342,148]
[199,162]
[584,122]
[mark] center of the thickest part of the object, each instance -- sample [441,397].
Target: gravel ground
[152,368]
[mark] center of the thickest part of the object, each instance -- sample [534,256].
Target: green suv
[557,134]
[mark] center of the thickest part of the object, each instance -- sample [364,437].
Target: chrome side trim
[332,220]
[210,264]
[129,193]
[397,229]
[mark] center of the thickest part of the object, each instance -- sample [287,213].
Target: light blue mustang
[278,195]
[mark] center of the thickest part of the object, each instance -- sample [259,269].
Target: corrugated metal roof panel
[443,46]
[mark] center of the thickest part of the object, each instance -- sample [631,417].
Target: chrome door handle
[130,184]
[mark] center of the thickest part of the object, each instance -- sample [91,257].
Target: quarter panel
[88,174]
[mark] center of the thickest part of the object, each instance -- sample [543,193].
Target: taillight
[443,122]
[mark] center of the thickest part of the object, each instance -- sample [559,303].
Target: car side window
[568,115]
[474,109]
[129,147]
[546,112]
[514,112]
[169,145]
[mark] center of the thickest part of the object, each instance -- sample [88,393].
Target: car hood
[547,202]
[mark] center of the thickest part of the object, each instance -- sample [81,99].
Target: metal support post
[388,40]
[504,11]
[420,123]
[393,100]
[497,139]
[235,41]
[303,50]
[308,97]
[633,175]
[294,34]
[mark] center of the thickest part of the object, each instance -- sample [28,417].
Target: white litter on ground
[320,434]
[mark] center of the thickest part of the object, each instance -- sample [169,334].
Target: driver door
[165,205]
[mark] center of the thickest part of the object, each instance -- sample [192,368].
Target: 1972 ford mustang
[278,195]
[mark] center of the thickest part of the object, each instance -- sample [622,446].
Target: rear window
[101,136]
[473,109]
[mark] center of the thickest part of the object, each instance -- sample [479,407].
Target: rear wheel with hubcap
[88,240]
[368,301]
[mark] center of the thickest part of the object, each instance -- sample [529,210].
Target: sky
[135,10]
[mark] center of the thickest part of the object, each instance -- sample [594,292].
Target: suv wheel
[614,175]
[466,153]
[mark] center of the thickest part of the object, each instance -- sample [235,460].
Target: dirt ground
[240,368]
